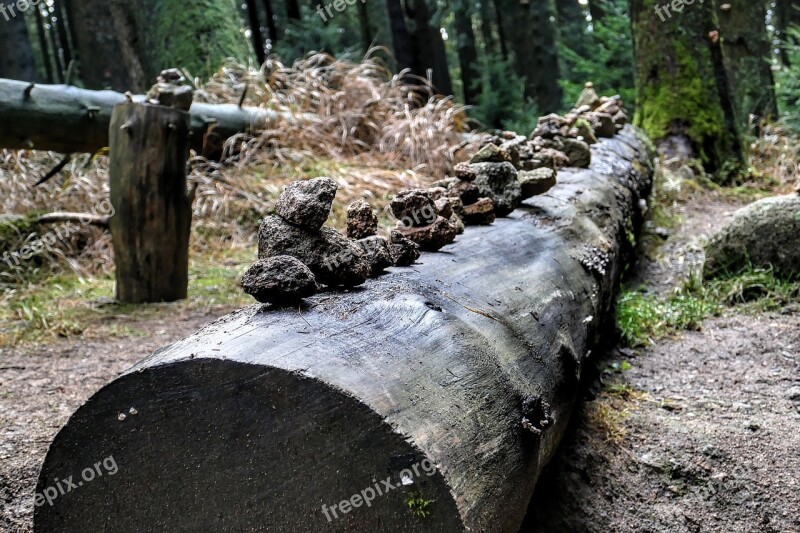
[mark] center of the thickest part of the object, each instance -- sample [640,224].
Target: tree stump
[152,211]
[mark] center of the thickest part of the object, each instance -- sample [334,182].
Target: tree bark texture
[152,209]
[465,367]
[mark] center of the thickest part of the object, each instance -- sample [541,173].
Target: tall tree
[786,15]
[747,49]
[293,9]
[272,29]
[681,82]
[487,18]
[532,40]
[16,53]
[467,52]
[429,50]
[401,37]
[255,32]
[572,25]
[125,44]
[364,23]
[597,9]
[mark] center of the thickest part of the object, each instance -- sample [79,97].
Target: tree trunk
[487,16]
[125,45]
[747,49]
[152,218]
[271,28]
[67,119]
[454,380]
[44,46]
[532,38]
[364,24]
[467,53]
[16,53]
[293,9]
[787,15]
[682,87]
[572,25]
[501,34]
[429,51]
[401,38]
[255,30]
[62,26]
[597,9]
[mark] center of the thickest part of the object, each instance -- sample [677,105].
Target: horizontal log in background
[264,417]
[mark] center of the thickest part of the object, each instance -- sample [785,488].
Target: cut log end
[228,446]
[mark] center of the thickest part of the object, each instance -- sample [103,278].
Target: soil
[701,434]
[41,386]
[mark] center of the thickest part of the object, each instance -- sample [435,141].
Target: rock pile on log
[505,171]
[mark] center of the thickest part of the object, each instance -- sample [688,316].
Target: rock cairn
[298,253]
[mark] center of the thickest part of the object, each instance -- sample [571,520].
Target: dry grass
[373,132]
[776,155]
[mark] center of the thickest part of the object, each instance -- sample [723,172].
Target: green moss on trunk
[681,89]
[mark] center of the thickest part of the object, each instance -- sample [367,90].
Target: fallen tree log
[67,119]
[428,400]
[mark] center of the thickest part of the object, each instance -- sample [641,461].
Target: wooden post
[149,148]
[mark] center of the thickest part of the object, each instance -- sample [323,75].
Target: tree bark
[271,28]
[532,37]
[44,46]
[464,368]
[16,52]
[255,30]
[364,24]
[429,51]
[293,9]
[682,86]
[572,25]
[401,38]
[152,211]
[487,17]
[67,119]
[467,52]
[747,48]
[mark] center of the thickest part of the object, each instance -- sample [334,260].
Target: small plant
[419,506]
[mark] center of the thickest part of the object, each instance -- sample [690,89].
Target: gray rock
[605,126]
[433,237]
[763,234]
[499,182]
[468,192]
[307,203]
[444,208]
[414,208]
[281,280]
[405,252]
[334,260]
[362,222]
[465,172]
[536,182]
[378,254]
[578,152]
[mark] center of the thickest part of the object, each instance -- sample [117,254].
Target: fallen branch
[99,221]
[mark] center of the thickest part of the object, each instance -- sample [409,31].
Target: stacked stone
[420,221]
[296,251]
[474,209]
[362,225]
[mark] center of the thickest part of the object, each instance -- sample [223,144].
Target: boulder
[281,280]
[465,172]
[308,203]
[536,182]
[362,222]
[762,235]
[334,260]
[499,182]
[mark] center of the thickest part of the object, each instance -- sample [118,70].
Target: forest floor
[697,430]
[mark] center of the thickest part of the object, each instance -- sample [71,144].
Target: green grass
[644,318]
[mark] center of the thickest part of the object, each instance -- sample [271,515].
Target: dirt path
[702,434]
[40,387]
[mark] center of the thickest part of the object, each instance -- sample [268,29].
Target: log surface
[265,416]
